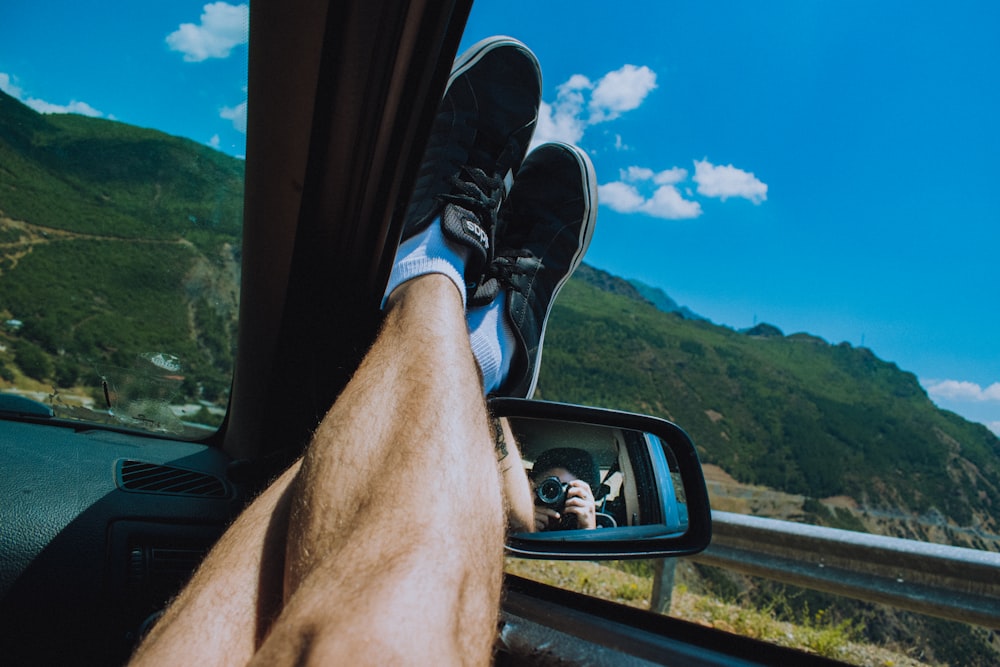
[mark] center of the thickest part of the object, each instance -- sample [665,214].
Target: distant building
[13,325]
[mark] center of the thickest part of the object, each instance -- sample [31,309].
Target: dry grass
[819,636]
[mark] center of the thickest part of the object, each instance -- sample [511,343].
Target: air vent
[155,478]
[162,567]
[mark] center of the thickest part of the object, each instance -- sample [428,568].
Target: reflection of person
[576,471]
[317,568]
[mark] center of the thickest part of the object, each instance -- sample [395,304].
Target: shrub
[33,361]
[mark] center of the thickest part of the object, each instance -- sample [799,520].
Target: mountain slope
[792,413]
[91,175]
[659,298]
[117,245]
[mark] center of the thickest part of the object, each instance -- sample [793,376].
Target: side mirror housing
[647,481]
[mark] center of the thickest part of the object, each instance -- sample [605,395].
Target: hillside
[117,245]
[663,302]
[791,413]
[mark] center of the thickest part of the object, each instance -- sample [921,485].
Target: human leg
[317,517]
[226,610]
[398,562]
[383,549]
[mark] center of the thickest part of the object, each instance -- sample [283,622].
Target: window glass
[794,260]
[122,134]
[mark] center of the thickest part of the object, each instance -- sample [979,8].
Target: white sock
[428,252]
[492,341]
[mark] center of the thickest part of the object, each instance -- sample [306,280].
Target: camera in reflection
[551,492]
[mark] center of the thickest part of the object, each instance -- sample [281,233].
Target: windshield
[122,134]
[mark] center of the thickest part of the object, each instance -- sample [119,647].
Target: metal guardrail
[948,582]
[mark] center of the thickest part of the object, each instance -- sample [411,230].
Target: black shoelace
[506,266]
[499,277]
[477,192]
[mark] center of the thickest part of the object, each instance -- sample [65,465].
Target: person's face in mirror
[580,509]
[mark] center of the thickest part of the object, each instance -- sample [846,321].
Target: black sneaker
[479,138]
[544,229]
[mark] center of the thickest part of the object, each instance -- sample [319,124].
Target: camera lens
[551,492]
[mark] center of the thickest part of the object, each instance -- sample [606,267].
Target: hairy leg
[385,543]
[395,536]
[388,534]
[223,614]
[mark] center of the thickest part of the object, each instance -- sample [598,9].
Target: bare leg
[396,531]
[223,614]
[394,520]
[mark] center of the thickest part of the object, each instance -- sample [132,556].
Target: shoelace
[506,266]
[477,192]
[499,277]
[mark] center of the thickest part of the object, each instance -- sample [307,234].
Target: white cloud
[668,177]
[223,26]
[620,91]
[959,390]
[668,203]
[581,103]
[8,86]
[665,202]
[960,396]
[619,196]
[237,114]
[728,181]
[215,141]
[561,120]
[82,108]
[637,174]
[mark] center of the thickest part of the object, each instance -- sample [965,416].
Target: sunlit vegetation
[801,417]
[783,619]
[792,413]
[117,244]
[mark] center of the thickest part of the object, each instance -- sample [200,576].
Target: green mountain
[792,413]
[117,245]
[659,298]
[90,175]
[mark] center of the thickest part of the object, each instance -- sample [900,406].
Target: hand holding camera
[564,505]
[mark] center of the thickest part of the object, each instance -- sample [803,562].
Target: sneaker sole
[475,53]
[589,183]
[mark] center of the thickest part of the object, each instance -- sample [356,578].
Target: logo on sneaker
[477,231]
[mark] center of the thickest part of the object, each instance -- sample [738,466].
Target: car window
[793,261]
[122,134]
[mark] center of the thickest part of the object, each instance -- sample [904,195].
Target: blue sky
[176,66]
[829,167]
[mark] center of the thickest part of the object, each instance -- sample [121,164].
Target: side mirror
[650,491]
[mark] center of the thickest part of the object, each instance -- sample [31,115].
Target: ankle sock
[428,252]
[493,341]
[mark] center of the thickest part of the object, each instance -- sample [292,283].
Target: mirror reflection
[585,477]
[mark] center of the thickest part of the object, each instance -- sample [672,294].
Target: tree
[33,360]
